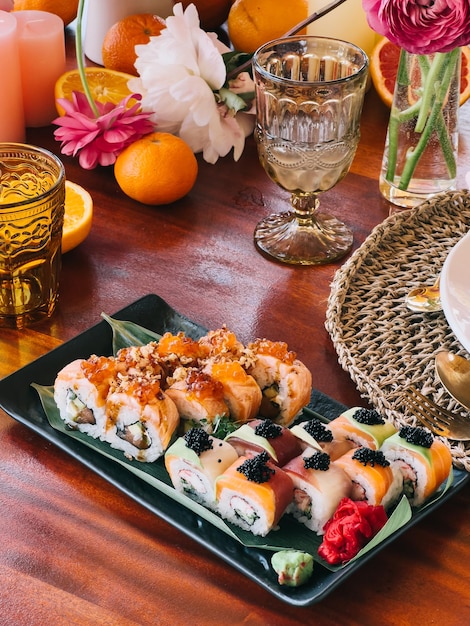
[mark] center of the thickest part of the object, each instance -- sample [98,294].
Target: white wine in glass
[309,96]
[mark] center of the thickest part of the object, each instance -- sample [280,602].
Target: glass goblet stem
[303,236]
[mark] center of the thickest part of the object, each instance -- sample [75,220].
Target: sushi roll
[319,486]
[286,383]
[198,397]
[141,419]
[80,392]
[423,460]
[314,433]
[362,427]
[240,391]
[260,435]
[372,477]
[194,461]
[253,493]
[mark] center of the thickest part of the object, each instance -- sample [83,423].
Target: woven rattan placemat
[383,345]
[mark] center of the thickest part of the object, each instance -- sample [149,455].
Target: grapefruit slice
[384,64]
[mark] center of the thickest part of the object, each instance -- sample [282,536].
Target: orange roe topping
[277,349]
[222,342]
[204,386]
[181,346]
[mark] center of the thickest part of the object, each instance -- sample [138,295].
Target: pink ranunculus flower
[421,26]
[99,140]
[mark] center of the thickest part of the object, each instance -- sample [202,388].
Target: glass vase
[420,153]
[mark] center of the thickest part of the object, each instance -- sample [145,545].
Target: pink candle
[42,58]
[12,125]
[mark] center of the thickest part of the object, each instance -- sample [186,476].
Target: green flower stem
[432,121]
[436,78]
[79,55]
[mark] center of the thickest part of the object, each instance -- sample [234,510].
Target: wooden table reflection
[75,550]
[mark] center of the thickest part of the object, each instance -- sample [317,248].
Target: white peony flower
[180,74]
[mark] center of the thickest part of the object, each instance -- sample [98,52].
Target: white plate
[455,290]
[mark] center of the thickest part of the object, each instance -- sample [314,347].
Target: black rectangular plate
[21,401]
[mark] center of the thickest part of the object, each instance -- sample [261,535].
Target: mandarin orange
[65,9]
[252,23]
[119,42]
[159,168]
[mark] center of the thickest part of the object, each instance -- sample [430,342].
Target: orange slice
[77,217]
[384,64]
[105,85]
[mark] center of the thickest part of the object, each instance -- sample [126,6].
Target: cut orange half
[105,85]
[384,65]
[78,216]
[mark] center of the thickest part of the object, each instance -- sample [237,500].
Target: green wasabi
[292,567]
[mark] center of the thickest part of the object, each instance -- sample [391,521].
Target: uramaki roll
[319,486]
[198,397]
[80,392]
[195,460]
[373,479]
[141,418]
[424,461]
[285,381]
[253,493]
[240,391]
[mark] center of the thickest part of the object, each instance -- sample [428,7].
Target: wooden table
[75,550]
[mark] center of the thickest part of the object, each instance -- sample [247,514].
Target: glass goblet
[309,96]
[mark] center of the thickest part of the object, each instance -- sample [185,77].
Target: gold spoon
[425,299]
[454,373]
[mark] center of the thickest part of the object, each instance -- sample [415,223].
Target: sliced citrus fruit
[78,215]
[384,64]
[105,85]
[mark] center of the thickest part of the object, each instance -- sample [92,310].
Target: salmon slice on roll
[195,460]
[198,397]
[373,479]
[80,392]
[241,393]
[141,418]
[253,493]
[319,486]
[424,461]
[362,427]
[286,383]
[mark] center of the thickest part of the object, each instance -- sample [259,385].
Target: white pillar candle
[348,22]
[41,41]
[12,126]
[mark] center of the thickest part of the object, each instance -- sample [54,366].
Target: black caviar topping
[417,436]
[371,417]
[318,461]
[366,456]
[256,468]
[268,429]
[317,429]
[198,440]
